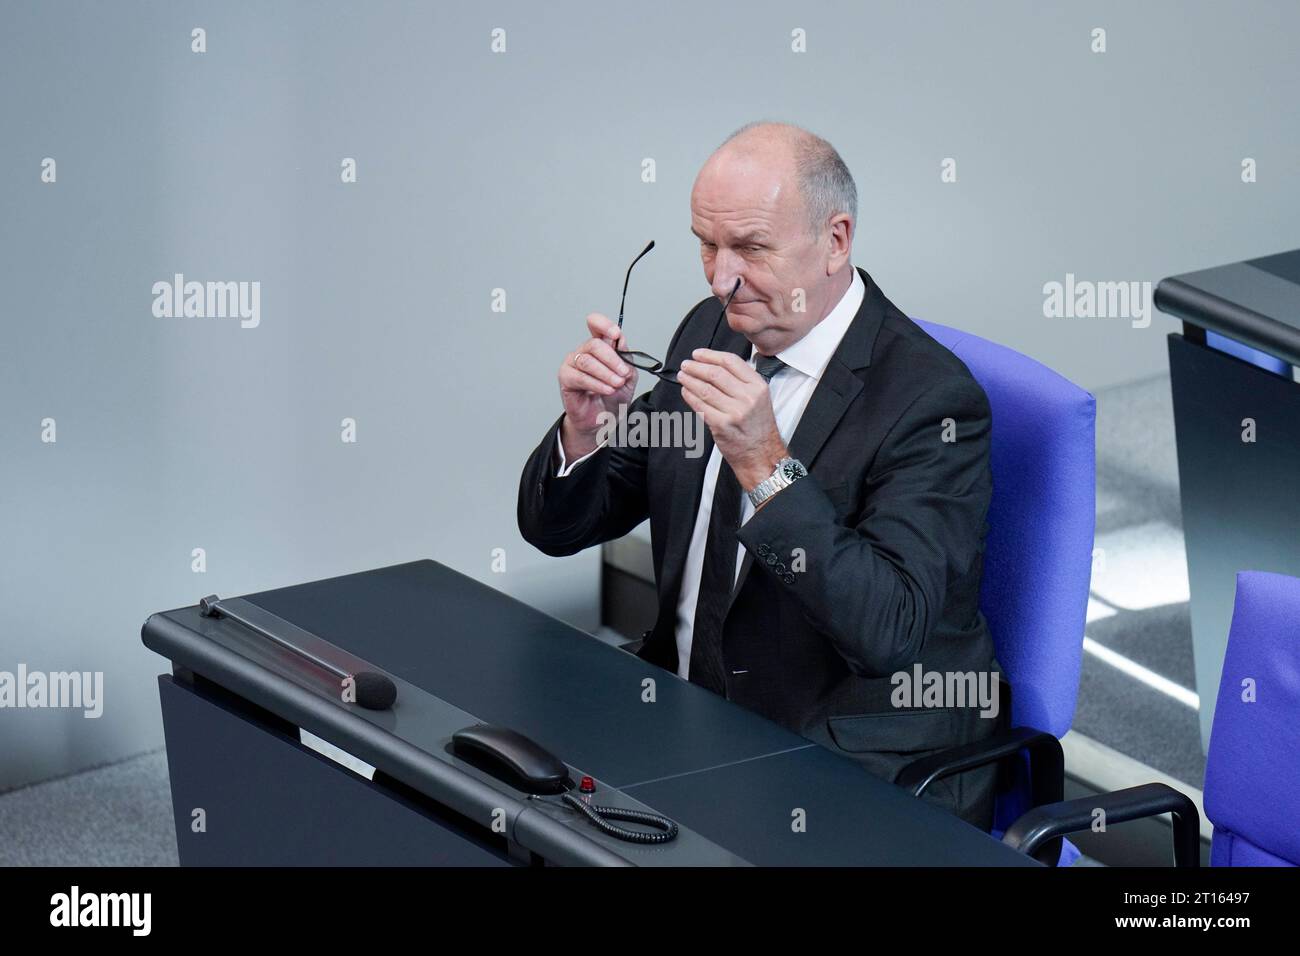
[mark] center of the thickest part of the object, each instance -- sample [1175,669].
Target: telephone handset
[526,765]
[522,761]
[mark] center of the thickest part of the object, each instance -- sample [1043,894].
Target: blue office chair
[1253,765]
[1252,771]
[1037,571]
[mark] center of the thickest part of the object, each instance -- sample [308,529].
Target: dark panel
[488,657]
[628,604]
[1284,265]
[508,663]
[853,818]
[270,801]
[1240,501]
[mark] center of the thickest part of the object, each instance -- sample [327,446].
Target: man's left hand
[734,401]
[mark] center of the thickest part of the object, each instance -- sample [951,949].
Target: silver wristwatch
[788,471]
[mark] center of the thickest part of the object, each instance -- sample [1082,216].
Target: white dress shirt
[791,388]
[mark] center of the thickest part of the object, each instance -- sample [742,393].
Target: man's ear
[839,239]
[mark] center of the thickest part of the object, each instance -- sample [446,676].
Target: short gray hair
[824,180]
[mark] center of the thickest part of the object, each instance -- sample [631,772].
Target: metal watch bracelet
[788,471]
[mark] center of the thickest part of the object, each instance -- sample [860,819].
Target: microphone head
[374,691]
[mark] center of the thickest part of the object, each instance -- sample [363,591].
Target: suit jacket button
[771,558]
[788,579]
[764,550]
[780,567]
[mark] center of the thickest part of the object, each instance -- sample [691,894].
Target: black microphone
[373,691]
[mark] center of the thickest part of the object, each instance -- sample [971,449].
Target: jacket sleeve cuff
[787,521]
[567,466]
[567,502]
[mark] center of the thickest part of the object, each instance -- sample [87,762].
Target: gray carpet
[120,815]
[1140,608]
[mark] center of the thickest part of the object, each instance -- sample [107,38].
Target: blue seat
[1252,771]
[1037,561]
[1037,572]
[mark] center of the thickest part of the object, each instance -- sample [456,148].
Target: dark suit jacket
[890,523]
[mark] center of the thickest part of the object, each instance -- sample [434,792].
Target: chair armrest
[1046,770]
[1047,762]
[1048,822]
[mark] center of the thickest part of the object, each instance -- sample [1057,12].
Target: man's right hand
[593,379]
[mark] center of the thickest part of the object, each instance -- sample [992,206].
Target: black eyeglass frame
[643,360]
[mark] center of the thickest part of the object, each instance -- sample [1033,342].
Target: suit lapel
[832,397]
[835,392]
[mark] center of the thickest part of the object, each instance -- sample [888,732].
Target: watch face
[792,469]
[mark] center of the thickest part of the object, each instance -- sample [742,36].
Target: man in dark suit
[827,551]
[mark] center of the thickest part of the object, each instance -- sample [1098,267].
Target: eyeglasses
[642,360]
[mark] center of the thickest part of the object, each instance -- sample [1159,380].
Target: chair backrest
[1252,771]
[1038,551]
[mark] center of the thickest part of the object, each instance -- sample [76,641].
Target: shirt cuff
[566,467]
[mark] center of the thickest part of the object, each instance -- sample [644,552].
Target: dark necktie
[719,572]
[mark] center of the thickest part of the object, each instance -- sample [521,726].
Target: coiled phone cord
[597,816]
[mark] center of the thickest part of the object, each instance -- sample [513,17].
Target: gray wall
[521,171]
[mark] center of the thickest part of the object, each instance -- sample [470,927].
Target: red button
[587,785]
